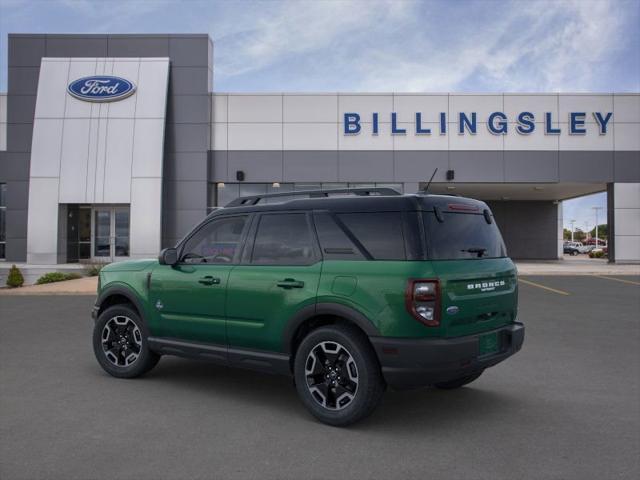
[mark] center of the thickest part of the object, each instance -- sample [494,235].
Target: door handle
[290,283]
[209,280]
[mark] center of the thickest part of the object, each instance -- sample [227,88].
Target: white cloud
[376,45]
[533,46]
[112,14]
[299,28]
[559,48]
[556,52]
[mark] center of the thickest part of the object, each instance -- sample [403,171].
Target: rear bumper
[411,363]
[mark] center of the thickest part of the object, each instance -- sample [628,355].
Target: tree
[603,231]
[578,235]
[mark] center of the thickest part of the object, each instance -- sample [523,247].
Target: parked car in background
[599,252]
[585,248]
[592,241]
[572,248]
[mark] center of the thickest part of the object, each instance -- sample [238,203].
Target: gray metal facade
[186,132]
[480,166]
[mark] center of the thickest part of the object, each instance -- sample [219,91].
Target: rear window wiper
[478,250]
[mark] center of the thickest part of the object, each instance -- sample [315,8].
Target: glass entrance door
[120,231]
[78,232]
[110,233]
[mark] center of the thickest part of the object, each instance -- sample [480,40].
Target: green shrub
[93,270]
[596,254]
[15,278]
[52,277]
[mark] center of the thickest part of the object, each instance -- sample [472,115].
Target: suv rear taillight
[422,300]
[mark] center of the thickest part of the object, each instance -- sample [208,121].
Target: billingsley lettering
[497,123]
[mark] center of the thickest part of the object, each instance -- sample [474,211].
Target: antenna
[426,189]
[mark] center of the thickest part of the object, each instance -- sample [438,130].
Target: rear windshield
[462,236]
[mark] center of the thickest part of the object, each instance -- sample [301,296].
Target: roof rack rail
[362,192]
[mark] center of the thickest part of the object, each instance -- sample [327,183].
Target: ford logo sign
[101,88]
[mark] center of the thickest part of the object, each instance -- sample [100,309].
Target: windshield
[462,236]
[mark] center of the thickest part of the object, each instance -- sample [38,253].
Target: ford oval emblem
[101,88]
[452,310]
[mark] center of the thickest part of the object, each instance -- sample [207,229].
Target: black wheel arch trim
[336,309]
[119,290]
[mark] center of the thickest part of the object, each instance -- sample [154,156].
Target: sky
[377,45]
[581,210]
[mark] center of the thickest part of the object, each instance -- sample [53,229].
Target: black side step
[260,360]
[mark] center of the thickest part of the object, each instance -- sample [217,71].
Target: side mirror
[168,256]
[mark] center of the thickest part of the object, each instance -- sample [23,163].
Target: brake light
[461,207]
[422,300]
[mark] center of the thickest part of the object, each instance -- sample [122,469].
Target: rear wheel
[337,375]
[120,343]
[458,382]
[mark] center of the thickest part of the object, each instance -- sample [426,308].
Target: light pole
[572,222]
[586,231]
[596,209]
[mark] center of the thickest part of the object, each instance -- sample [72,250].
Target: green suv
[347,291]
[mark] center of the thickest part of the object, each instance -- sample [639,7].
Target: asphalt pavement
[566,407]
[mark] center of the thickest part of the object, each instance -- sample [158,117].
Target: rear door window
[334,242]
[380,233]
[462,236]
[283,239]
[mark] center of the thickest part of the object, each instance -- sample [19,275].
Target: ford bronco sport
[347,291]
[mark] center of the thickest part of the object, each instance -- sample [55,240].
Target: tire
[458,382]
[337,375]
[574,253]
[121,328]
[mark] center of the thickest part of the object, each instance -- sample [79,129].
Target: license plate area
[488,344]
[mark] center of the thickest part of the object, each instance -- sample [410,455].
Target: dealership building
[114,146]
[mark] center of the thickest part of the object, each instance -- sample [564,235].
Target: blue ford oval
[101,88]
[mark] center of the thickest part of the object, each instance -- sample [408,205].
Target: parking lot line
[618,279]
[534,284]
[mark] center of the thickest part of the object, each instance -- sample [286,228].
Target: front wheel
[120,343]
[337,375]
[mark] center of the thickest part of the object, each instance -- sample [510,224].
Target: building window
[3,216]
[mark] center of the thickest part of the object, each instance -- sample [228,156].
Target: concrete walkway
[581,265]
[570,266]
[81,286]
